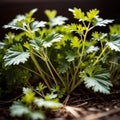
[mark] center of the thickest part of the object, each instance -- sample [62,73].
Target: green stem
[85,36]
[41,94]
[42,58]
[81,56]
[46,61]
[67,80]
[29,70]
[57,73]
[30,31]
[79,62]
[98,58]
[39,69]
[76,85]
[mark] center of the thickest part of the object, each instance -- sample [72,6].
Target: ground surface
[80,107]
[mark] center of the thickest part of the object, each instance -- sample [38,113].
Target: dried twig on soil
[101,115]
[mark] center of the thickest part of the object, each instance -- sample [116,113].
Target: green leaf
[2,44]
[98,36]
[101,22]
[59,91]
[59,20]
[28,16]
[15,55]
[115,43]
[52,38]
[50,13]
[92,14]
[99,83]
[40,87]
[17,23]
[115,29]
[78,14]
[21,21]
[50,96]
[63,67]
[92,49]
[47,103]
[40,44]
[18,109]
[78,28]
[10,36]
[70,56]
[29,95]
[36,25]
[72,27]
[31,12]
[36,44]
[26,90]
[75,42]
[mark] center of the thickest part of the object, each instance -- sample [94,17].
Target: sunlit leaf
[47,103]
[52,38]
[78,14]
[59,20]
[31,12]
[26,90]
[36,44]
[18,109]
[21,21]
[10,36]
[98,35]
[36,25]
[99,83]
[75,42]
[92,49]
[16,23]
[102,22]
[114,44]
[78,28]
[50,13]
[29,95]
[115,29]
[72,27]
[92,13]
[50,96]
[15,55]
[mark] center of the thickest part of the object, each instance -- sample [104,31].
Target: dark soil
[80,107]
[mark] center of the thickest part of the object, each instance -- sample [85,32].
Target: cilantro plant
[62,55]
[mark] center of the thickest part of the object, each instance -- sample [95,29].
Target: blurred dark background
[109,9]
